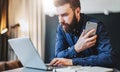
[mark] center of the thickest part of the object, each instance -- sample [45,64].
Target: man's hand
[61,62]
[85,41]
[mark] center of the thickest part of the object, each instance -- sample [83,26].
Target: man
[73,45]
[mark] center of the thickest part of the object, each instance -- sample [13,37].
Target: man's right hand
[85,41]
[61,62]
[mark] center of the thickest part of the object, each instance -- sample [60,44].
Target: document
[83,69]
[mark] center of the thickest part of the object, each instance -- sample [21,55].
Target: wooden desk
[14,70]
[25,70]
[85,69]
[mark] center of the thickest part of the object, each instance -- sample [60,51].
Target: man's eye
[65,14]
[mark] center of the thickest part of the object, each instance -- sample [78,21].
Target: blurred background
[37,19]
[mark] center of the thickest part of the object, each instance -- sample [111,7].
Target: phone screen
[90,26]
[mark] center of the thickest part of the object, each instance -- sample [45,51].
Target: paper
[83,69]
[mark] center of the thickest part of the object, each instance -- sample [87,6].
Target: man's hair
[73,3]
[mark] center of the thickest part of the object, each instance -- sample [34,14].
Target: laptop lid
[26,53]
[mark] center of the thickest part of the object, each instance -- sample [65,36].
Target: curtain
[28,13]
[3,29]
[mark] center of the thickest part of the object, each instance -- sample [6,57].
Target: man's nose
[61,20]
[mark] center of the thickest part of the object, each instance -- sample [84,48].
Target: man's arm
[62,49]
[103,58]
[85,41]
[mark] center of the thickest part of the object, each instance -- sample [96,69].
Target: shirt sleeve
[103,58]
[62,49]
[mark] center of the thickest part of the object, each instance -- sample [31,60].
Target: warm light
[23,25]
[4,30]
[106,12]
[23,28]
[49,7]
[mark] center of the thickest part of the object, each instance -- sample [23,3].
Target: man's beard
[68,28]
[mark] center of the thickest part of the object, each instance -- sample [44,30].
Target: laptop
[27,54]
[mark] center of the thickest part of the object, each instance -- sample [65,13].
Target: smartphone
[90,26]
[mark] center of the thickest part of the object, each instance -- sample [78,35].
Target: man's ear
[77,11]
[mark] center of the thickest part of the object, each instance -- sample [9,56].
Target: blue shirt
[98,55]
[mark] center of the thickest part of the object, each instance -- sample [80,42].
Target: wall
[100,6]
[51,26]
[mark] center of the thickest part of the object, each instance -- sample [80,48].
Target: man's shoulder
[87,17]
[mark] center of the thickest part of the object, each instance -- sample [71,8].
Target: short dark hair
[73,3]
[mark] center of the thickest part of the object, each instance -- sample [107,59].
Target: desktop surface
[68,69]
[25,70]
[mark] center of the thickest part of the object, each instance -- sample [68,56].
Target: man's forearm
[67,53]
[95,60]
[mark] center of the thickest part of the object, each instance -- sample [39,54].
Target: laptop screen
[26,53]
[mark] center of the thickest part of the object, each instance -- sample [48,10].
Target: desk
[25,70]
[81,69]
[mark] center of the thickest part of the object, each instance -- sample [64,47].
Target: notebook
[27,54]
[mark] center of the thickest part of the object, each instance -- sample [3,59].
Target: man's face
[67,17]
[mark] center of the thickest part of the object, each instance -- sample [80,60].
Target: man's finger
[92,43]
[89,33]
[92,38]
[57,63]
[53,61]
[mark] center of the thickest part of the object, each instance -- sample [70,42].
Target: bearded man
[73,45]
